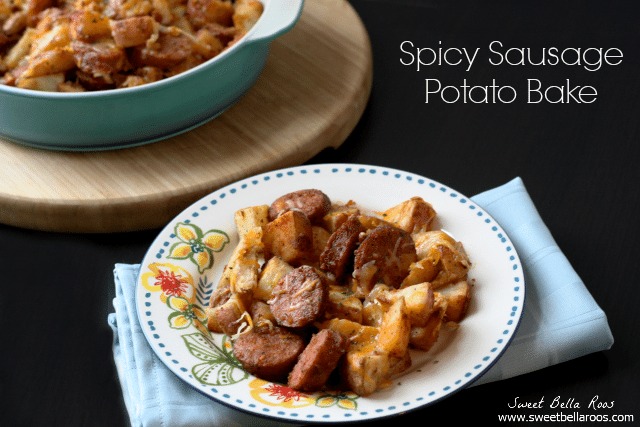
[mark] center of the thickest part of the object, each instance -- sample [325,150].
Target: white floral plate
[185,262]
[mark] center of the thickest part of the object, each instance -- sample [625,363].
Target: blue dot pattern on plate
[429,395]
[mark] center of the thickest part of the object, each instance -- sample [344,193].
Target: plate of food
[331,293]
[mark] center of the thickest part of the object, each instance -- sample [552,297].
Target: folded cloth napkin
[561,321]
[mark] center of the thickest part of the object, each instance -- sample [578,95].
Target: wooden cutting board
[310,96]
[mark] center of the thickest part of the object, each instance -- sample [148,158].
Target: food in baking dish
[84,45]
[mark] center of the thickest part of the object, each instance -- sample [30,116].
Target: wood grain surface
[310,96]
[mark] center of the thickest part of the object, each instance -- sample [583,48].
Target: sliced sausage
[320,239]
[340,247]
[313,203]
[384,256]
[98,59]
[225,313]
[222,33]
[221,294]
[319,358]
[299,297]
[49,62]
[226,318]
[91,82]
[168,51]
[268,353]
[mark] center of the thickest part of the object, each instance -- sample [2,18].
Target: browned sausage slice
[221,294]
[319,358]
[340,247]
[314,203]
[299,297]
[384,255]
[98,59]
[226,310]
[268,353]
[169,50]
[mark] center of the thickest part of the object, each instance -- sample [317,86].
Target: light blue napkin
[561,321]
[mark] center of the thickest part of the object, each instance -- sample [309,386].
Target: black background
[578,161]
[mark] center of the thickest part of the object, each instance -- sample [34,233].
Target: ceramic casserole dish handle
[279,16]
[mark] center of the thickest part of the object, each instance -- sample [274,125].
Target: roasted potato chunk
[424,337]
[49,62]
[419,300]
[370,222]
[290,237]
[427,242]
[132,31]
[246,14]
[320,238]
[360,337]
[251,217]
[261,314]
[20,50]
[458,296]
[447,256]
[372,313]
[89,26]
[48,83]
[398,365]
[273,271]
[365,372]
[423,270]
[342,304]
[242,269]
[413,216]
[393,338]
[339,214]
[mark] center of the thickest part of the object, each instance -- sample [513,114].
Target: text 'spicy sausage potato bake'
[330,295]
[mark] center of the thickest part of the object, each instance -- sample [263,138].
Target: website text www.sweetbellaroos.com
[569,411]
[561,417]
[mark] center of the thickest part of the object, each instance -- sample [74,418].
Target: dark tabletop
[578,161]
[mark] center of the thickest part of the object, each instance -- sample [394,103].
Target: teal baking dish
[119,118]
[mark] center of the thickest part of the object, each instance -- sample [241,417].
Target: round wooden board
[310,96]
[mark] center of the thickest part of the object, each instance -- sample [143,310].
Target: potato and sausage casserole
[327,295]
[83,45]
